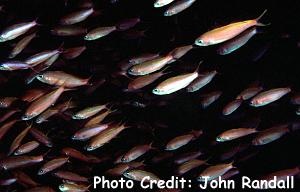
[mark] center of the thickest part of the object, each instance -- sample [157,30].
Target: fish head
[202,41]
[159,3]
[88,38]
[169,12]
[255,103]
[158,91]
[89,148]
[40,77]
[41,172]
[3,67]
[220,139]
[133,71]
[63,187]
[2,39]
[125,159]
[18,152]
[127,174]
[27,117]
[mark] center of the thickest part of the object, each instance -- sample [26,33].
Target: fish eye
[62,186]
[41,171]
[200,42]
[157,4]
[155,90]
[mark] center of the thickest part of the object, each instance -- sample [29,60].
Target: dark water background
[277,67]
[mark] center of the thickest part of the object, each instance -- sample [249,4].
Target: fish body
[234,134]
[150,66]
[174,84]
[222,34]
[16,30]
[201,81]
[41,104]
[99,32]
[237,42]
[178,7]
[60,78]
[21,45]
[76,17]
[267,97]
[214,171]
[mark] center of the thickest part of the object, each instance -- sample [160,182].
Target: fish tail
[259,17]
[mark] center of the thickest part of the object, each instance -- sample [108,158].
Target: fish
[161,3]
[178,7]
[26,148]
[60,78]
[99,32]
[142,58]
[6,102]
[222,34]
[150,66]
[298,111]
[138,175]
[201,81]
[187,156]
[120,168]
[41,57]
[70,176]
[89,111]
[127,23]
[98,118]
[69,30]
[282,174]
[145,80]
[237,42]
[182,140]
[232,134]
[176,83]
[41,137]
[249,93]
[89,132]
[21,45]
[24,179]
[16,30]
[76,17]
[189,165]
[210,98]
[71,152]
[136,152]
[214,171]
[74,52]
[6,127]
[17,141]
[267,97]
[104,137]
[14,65]
[14,162]
[62,107]
[52,165]
[270,135]
[179,52]
[7,181]
[232,106]
[72,187]
[295,99]
[42,104]
[33,94]
[8,114]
